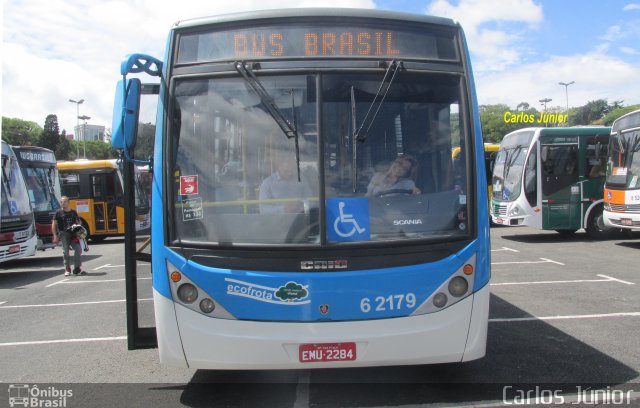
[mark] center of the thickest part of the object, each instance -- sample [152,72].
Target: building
[90,132]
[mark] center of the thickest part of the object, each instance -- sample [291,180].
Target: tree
[497,120]
[50,136]
[18,132]
[589,113]
[64,147]
[616,113]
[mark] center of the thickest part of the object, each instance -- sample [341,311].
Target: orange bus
[95,191]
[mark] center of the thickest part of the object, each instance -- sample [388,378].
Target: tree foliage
[18,132]
[50,136]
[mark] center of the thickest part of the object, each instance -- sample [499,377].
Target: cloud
[596,76]
[631,6]
[494,28]
[60,49]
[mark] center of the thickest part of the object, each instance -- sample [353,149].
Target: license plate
[626,221]
[499,220]
[20,234]
[310,353]
[14,249]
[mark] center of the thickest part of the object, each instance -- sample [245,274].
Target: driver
[399,179]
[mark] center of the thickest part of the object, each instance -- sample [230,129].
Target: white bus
[622,187]
[17,229]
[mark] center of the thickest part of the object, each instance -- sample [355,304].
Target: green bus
[552,179]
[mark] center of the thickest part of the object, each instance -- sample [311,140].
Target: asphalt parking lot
[564,318]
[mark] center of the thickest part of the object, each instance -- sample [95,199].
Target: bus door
[561,193]
[106,197]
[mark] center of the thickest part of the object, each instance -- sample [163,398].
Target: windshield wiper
[392,71]
[289,129]
[5,178]
[358,134]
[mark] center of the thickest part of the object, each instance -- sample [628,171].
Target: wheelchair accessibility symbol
[348,219]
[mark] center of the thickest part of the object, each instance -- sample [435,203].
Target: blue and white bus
[306,212]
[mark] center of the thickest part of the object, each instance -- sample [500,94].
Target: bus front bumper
[621,220]
[455,334]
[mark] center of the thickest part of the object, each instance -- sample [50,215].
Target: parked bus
[622,186]
[17,231]
[552,179]
[256,267]
[95,191]
[40,172]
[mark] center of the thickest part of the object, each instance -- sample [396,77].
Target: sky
[55,50]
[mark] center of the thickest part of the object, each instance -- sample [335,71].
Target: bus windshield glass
[623,169]
[236,173]
[42,185]
[15,200]
[507,173]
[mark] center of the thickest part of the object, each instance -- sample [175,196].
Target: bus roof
[87,164]
[295,13]
[573,130]
[629,121]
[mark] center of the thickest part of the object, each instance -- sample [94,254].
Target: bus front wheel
[595,225]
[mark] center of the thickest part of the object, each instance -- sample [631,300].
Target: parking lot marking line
[505,249]
[118,266]
[543,260]
[103,266]
[29,343]
[100,280]
[591,316]
[97,302]
[560,281]
[302,391]
[617,280]
[57,283]
[552,261]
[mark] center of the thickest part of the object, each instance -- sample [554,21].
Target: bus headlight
[440,299]
[207,305]
[458,286]
[607,206]
[187,293]
[514,211]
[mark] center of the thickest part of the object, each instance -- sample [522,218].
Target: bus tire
[595,225]
[567,232]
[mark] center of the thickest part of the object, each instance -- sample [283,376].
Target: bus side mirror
[126,109]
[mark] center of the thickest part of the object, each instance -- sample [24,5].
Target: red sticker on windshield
[188,185]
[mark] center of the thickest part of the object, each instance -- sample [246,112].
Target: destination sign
[317,41]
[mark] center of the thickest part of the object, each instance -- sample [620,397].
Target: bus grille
[44,217]
[14,226]
[5,253]
[619,222]
[499,210]
[622,207]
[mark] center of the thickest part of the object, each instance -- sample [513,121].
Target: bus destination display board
[316,42]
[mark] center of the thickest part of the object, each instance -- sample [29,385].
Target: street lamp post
[77,123]
[566,91]
[84,134]
[544,102]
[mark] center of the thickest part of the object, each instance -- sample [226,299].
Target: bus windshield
[42,185]
[15,200]
[623,169]
[237,173]
[507,173]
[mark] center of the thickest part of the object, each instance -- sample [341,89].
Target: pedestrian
[63,220]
